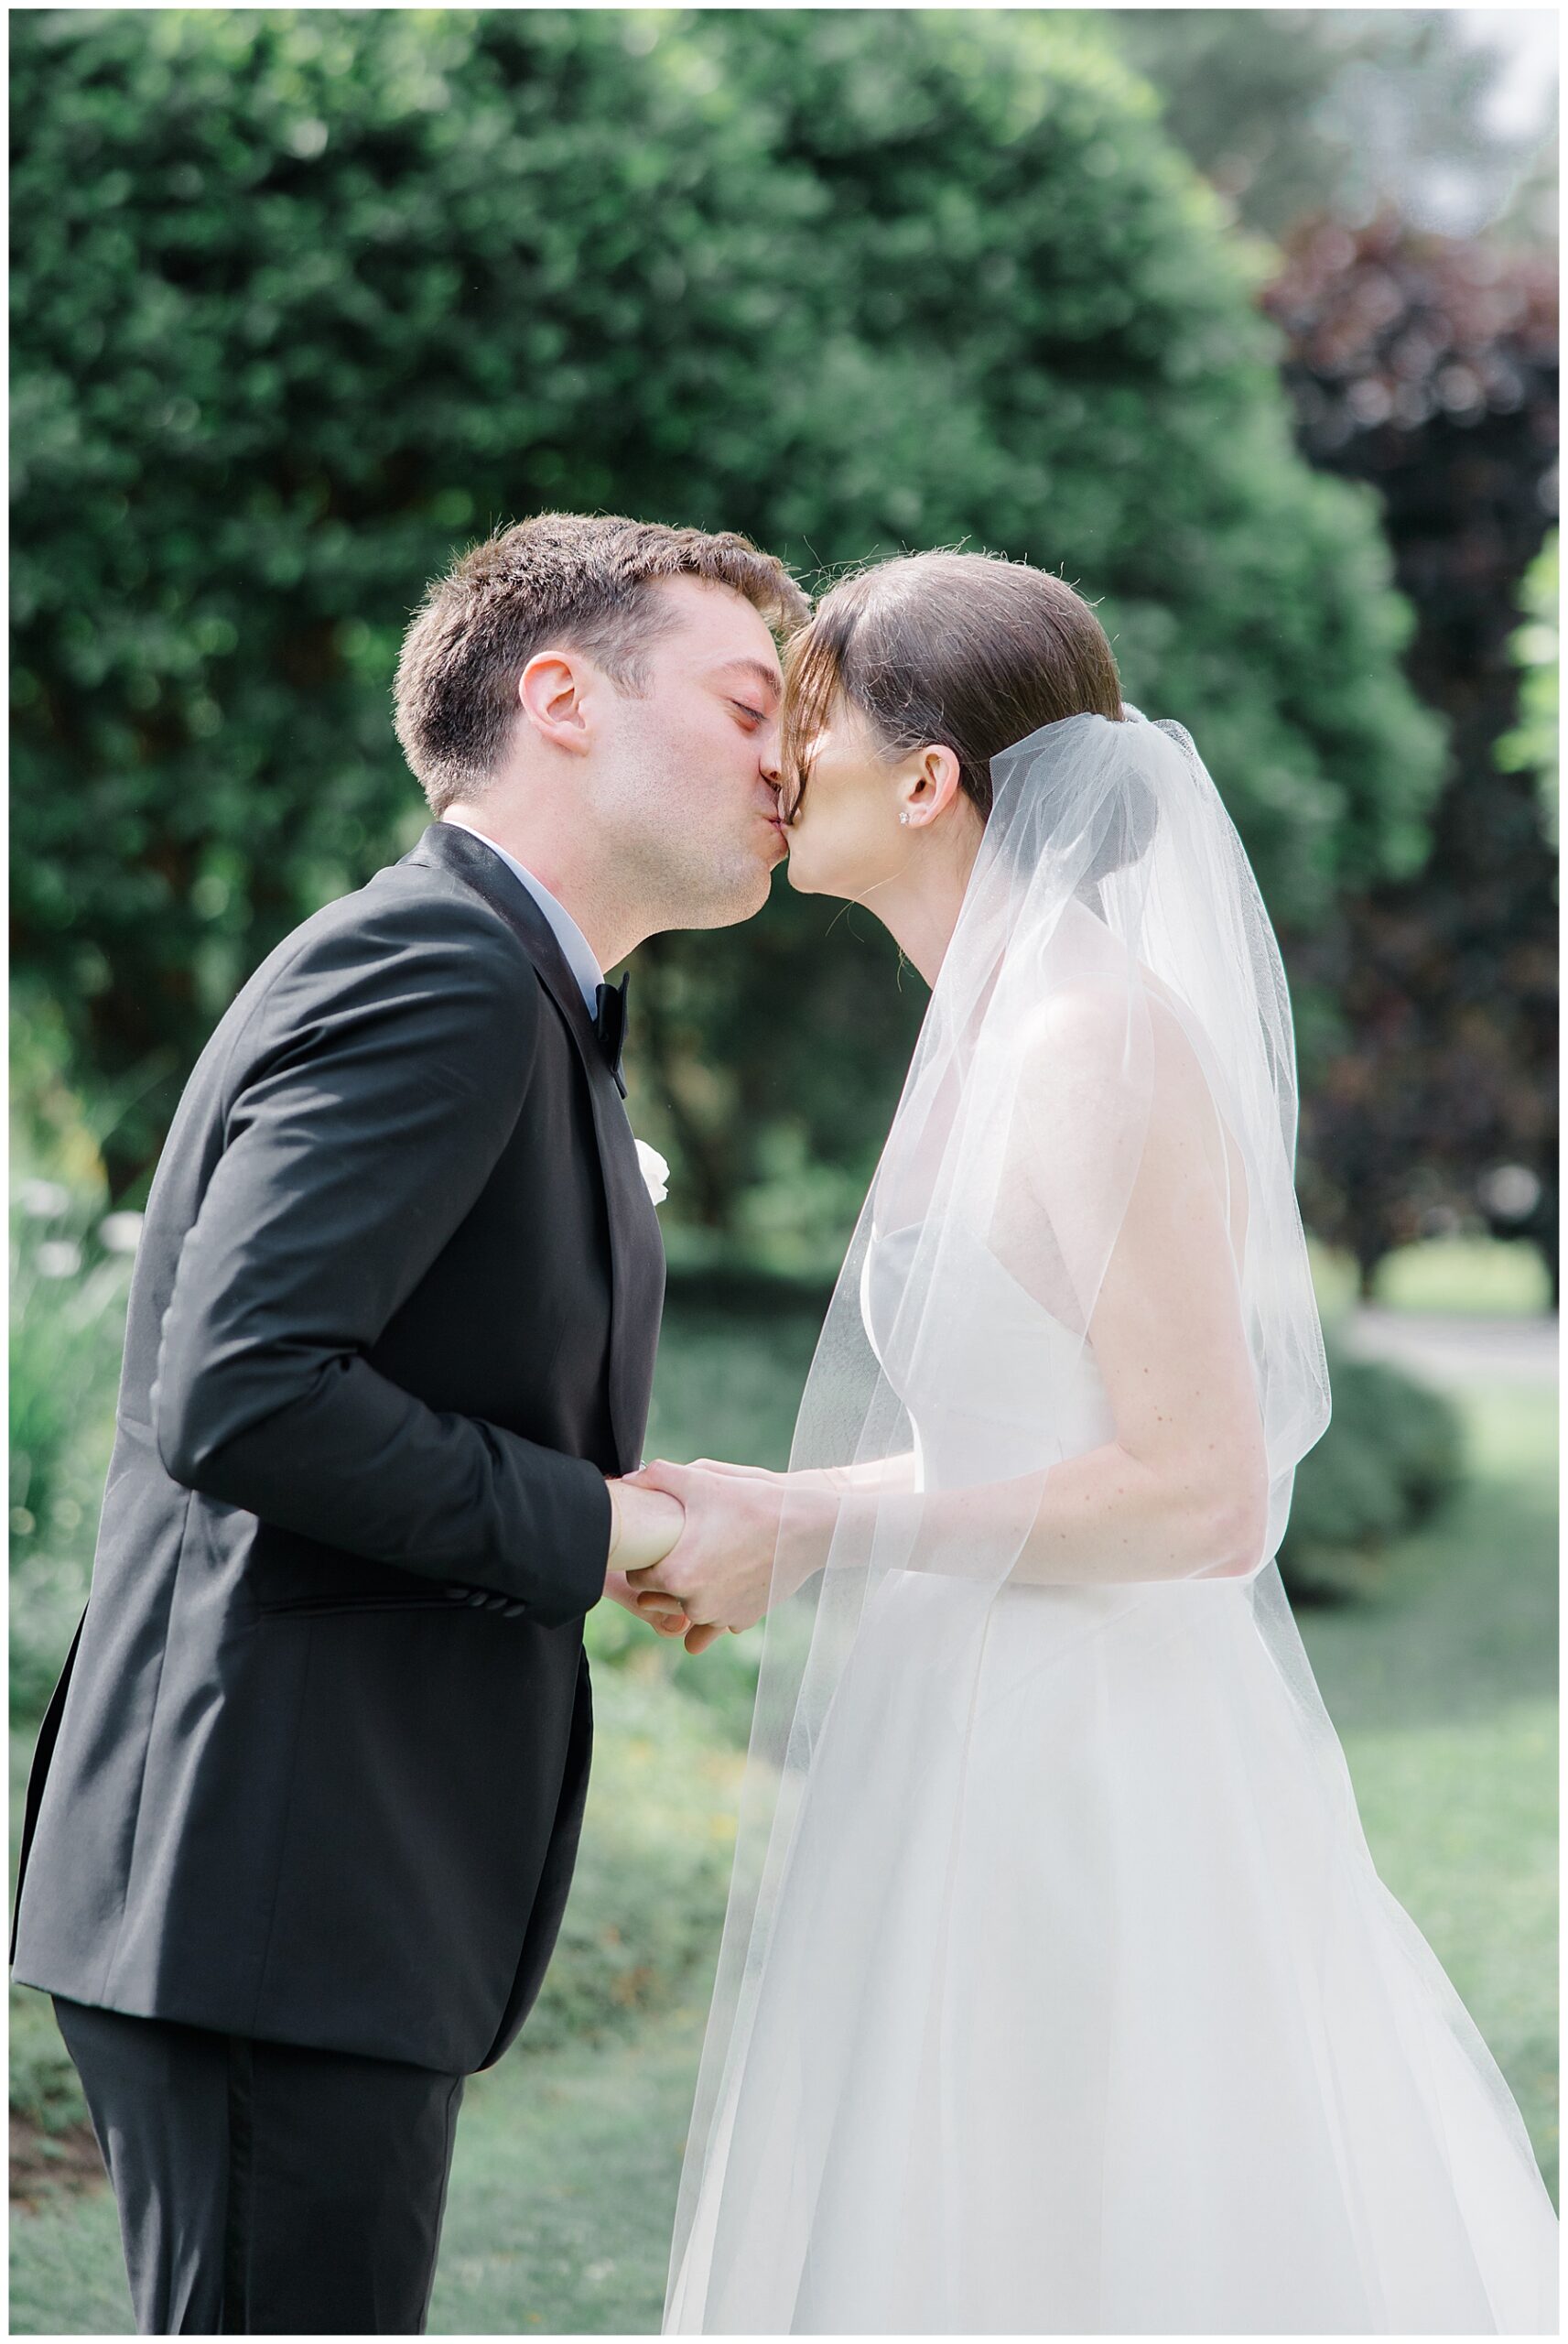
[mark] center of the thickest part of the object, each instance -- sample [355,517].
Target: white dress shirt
[568,935]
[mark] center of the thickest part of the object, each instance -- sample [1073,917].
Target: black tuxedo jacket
[316,1765]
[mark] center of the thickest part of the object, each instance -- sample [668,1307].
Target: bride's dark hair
[967,649]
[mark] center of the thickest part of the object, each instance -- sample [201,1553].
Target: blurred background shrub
[307,301]
[1391,1454]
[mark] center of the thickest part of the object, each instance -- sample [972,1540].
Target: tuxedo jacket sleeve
[386,1067]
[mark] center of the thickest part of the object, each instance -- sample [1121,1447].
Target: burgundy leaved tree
[1428,367]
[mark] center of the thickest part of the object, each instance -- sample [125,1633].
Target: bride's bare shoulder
[1093,1022]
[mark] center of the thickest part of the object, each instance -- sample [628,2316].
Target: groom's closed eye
[756,714]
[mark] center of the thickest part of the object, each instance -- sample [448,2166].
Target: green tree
[305,301]
[1533,746]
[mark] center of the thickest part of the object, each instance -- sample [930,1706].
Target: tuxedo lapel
[470,859]
[636,1245]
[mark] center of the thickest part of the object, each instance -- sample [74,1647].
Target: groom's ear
[553,692]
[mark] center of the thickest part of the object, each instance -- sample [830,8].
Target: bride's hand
[723,1565]
[690,1480]
[742,1472]
[714,1465]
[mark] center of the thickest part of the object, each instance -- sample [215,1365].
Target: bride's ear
[928,784]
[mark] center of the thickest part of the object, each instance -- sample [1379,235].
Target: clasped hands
[692,1547]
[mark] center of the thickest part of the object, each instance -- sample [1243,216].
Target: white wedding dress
[1085,2009]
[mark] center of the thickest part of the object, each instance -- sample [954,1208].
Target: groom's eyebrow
[757,670]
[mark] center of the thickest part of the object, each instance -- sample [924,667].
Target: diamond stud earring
[903,817]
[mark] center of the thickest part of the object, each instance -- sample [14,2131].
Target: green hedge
[1392,1454]
[305,301]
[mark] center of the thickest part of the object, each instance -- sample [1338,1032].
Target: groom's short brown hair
[570,578]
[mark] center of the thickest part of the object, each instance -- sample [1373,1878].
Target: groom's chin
[741,902]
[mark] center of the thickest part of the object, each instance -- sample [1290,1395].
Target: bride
[1058,1991]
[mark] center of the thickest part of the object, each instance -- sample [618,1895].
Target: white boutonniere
[654,1170]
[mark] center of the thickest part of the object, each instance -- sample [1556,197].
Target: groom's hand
[720,1568]
[662,1614]
[645,1526]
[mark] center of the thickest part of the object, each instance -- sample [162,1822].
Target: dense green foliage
[1534,746]
[304,301]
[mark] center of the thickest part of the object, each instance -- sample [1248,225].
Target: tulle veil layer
[1113,961]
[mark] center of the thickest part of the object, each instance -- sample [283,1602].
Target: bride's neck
[920,907]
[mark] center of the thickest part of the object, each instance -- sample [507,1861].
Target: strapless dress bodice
[1013,1389]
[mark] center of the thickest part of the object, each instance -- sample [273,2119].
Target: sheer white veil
[1113,966]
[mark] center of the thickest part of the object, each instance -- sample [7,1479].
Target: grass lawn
[1444,1687]
[1441,1682]
[1470,1277]
[563,2192]
[558,2218]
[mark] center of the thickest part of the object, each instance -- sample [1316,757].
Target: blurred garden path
[1454,1348]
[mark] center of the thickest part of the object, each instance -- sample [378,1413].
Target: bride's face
[846,836]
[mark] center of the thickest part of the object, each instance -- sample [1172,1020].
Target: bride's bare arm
[1180,1489]
[877,1473]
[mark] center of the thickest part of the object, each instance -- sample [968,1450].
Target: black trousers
[267,2188]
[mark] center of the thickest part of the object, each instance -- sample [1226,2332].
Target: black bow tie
[609,1025]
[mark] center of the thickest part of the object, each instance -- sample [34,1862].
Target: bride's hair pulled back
[968,649]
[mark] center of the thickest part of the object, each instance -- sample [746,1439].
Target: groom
[305,1802]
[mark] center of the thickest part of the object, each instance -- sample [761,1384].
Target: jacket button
[458,1594]
[514,1611]
[478,1598]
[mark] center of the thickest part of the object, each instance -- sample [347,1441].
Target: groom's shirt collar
[568,935]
